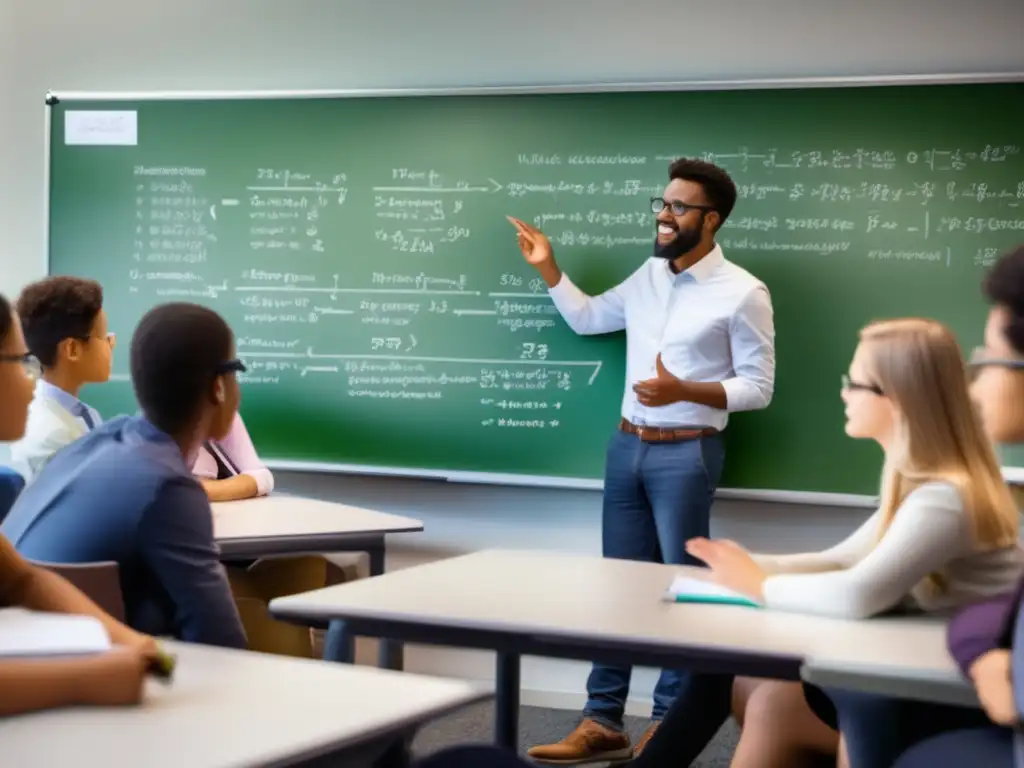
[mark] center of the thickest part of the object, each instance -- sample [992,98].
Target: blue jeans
[879,729]
[989,746]
[657,496]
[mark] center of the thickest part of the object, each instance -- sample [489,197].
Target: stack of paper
[28,633]
[686,589]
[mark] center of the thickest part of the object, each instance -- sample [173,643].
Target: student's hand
[533,243]
[663,389]
[730,566]
[114,679]
[129,638]
[991,676]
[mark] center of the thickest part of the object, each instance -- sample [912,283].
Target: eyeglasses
[231,366]
[110,338]
[980,359]
[678,207]
[28,361]
[850,385]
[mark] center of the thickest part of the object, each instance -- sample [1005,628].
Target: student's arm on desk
[110,679]
[27,686]
[842,555]
[929,529]
[26,585]
[231,488]
[979,639]
[254,478]
[982,627]
[178,545]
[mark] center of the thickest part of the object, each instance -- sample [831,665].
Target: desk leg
[506,710]
[391,653]
[339,645]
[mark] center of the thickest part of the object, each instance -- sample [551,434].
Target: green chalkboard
[359,248]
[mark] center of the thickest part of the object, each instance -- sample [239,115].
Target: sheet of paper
[101,127]
[686,585]
[29,633]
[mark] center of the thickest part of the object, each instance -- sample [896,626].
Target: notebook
[686,589]
[29,633]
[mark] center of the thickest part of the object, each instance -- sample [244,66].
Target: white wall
[269,44]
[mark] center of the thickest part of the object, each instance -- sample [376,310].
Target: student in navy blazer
[125,491]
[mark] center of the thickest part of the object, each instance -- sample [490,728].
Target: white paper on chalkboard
[106,127]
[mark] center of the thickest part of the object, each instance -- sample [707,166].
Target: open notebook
[685,589]
[29,633]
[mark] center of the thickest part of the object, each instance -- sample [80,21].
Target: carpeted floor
[475,725]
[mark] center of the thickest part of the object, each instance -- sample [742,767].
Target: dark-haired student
[701,346]
[114,678]
[65,328]
[983,637]
[125,491]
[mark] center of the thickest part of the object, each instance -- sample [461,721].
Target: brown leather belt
[665,434]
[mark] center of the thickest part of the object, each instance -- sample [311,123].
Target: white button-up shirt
[712,322]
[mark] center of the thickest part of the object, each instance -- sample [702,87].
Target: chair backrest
[11,484]
[100,582]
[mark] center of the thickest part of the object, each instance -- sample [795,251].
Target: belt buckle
[640,432]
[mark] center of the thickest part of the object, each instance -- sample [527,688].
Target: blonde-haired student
[945,535]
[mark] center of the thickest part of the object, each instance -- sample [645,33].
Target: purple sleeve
[983,627]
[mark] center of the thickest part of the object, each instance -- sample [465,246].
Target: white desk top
[233,709]
[592,599]
[283,516]
[903,669]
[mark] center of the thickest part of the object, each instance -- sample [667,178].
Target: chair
[100,582]
[11,484]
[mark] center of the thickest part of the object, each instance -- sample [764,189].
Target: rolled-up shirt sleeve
[589,315]
[752,344]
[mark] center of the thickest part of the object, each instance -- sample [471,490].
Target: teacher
[700,343]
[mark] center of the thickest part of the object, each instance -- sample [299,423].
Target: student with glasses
[65,328]
[984,637]
[125,491]
[945,535]
[114,678]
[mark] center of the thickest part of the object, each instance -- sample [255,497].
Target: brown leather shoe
[591,742]
[648,734]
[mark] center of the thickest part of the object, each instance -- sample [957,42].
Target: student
[114,678]
[945,534]
[878,729]
[125,491]
[229,470]
[65,328]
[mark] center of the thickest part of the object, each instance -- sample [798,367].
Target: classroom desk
[903,669]
[579,607]
[280,524]
[235,709]
[287,525]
